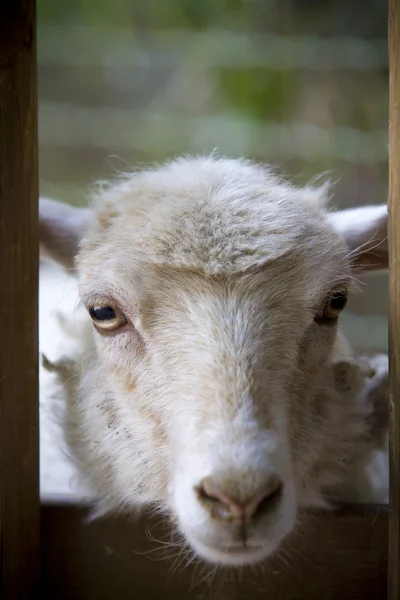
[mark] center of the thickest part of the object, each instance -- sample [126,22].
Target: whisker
[181,557]
[203,576]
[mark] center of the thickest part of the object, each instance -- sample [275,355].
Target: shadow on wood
[342,555]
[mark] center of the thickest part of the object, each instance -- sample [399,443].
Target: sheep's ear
[365,232]
[61,227]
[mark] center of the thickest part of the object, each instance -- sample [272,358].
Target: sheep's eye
[107,317]
[334,304]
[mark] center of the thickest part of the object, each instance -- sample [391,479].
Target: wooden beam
[19,436]
[331,556]
[394,293]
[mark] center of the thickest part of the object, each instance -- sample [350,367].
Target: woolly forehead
[220,225]
[307,266]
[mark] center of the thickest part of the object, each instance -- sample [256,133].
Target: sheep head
[215,291]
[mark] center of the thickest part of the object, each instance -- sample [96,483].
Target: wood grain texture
[394,293]
[19,466]
[331,557]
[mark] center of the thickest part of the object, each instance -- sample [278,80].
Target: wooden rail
[19,436]
[330,557]
[394,293]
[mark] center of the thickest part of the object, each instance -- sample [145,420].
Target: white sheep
[214,382]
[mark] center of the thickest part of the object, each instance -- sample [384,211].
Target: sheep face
[214,291]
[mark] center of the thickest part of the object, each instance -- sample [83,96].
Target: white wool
[61,341]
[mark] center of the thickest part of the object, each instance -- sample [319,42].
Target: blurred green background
[302,84]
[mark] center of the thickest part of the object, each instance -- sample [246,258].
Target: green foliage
[115,79]
[152,13]
[259,93]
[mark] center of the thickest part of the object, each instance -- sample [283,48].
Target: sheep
[214,382]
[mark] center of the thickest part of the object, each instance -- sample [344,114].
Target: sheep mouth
[241,549]
[234,555]
[244,554]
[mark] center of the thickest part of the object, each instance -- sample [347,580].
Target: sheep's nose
[224,506]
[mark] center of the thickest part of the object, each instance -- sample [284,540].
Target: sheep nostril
[268,501]
[224,506]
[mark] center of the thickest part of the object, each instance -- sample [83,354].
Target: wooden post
[394,293]
[19,465]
